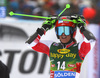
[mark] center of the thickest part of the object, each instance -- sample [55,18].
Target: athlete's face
[64,38]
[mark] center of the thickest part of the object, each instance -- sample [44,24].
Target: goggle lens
[63,29]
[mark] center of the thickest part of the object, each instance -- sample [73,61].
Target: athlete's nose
[63,34]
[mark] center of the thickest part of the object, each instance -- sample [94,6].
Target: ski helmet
[65,27]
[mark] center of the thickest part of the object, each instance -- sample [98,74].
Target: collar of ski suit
[69,44]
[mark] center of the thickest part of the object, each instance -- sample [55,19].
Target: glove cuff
[81,27]
[41,31]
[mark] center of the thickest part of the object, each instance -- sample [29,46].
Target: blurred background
[21,60]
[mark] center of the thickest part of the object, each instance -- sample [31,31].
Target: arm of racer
[39,45]
[87,44]
[34,40]
[89,40]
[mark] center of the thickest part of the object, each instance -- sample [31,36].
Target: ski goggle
[63,29]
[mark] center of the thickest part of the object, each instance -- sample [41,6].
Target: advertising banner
[3,8]
[2,11]
[93,56]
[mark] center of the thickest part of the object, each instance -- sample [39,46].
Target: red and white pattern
[41,46]
[44,46]
[84,47]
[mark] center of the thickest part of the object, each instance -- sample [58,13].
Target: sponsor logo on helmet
[60,21]
[66,21]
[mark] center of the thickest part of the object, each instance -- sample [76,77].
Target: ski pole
[12,13]
[67,6]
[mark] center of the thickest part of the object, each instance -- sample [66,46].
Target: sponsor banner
[2,12]
[99,52]
[93,55]
[23,62]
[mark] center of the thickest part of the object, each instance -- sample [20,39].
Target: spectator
[4,72]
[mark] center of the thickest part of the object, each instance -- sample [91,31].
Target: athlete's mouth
[64,37]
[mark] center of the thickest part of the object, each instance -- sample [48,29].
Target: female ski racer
[65,57]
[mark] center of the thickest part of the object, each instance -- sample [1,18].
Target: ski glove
[49,24]
[81,22]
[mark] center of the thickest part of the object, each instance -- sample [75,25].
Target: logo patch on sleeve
[55,44]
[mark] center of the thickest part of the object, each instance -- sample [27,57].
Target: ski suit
[65,62]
